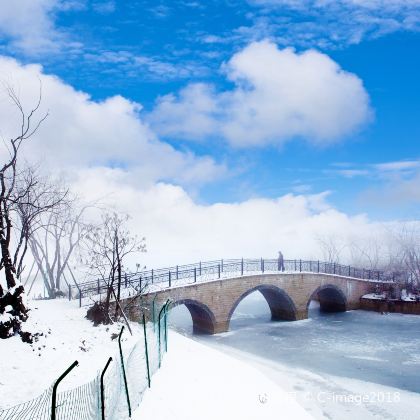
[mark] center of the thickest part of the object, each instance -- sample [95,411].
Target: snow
[327,396]
[406,297]
[197,381]
[26,370]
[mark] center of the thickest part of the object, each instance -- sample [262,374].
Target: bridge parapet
[179,276]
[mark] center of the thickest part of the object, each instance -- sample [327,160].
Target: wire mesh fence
[115,392]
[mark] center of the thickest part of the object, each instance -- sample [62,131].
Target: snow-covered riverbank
[197,381]
[327,396]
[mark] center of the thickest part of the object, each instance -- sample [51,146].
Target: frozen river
[348,365]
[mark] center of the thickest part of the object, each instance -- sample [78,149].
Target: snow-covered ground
[197,381]
[26,370]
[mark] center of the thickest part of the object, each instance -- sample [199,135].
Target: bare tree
[17,198]
[108,247]
[368,252]
[39,198]
[331,248]
[55,241]
[406,240]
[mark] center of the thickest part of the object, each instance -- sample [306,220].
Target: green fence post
[54,392]
[166,326]
[159,339]
[103,388]
[123,369]
[146,350]
[153,314]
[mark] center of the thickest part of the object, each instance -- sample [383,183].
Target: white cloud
[29,25]
[277,95]
[329,23]
[81,132]
[401,165]
[178,230]
[114,156]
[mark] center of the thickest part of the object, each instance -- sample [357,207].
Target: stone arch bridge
[212,301]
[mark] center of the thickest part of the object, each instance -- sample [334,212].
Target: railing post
[80,297]
[262,265]
[318,266]
[295,265]
[152,275]
[222,265]
[146,350]
[242,267]
[54,391]
[300,265]
[177,272]
[169,277]
[218,269]
[69,292]
[123,371]
[195,274]
[349,271]
[200,268]
[334,268]
[140,284]
[103,388]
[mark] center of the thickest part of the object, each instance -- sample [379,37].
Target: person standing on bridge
[281,262]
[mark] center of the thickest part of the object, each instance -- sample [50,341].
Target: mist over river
[350,365]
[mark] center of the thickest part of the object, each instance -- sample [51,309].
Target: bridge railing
[200,272]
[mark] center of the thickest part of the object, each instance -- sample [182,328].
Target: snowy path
[196,381]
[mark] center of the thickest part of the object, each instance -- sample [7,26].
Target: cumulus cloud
[81,132]
[114,156]
[30,28]
[178,230]
[278,95]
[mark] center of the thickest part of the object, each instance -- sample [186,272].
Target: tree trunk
[12,308]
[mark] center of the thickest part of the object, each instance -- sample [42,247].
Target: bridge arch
[202,316]
[331,298]
[281,305]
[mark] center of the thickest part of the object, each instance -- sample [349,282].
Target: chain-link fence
[115,392]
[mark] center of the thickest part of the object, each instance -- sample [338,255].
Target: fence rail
[223,269]
[114,393]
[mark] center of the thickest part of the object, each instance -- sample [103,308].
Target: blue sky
[144,50]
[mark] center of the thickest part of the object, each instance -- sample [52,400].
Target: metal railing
[200,272]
